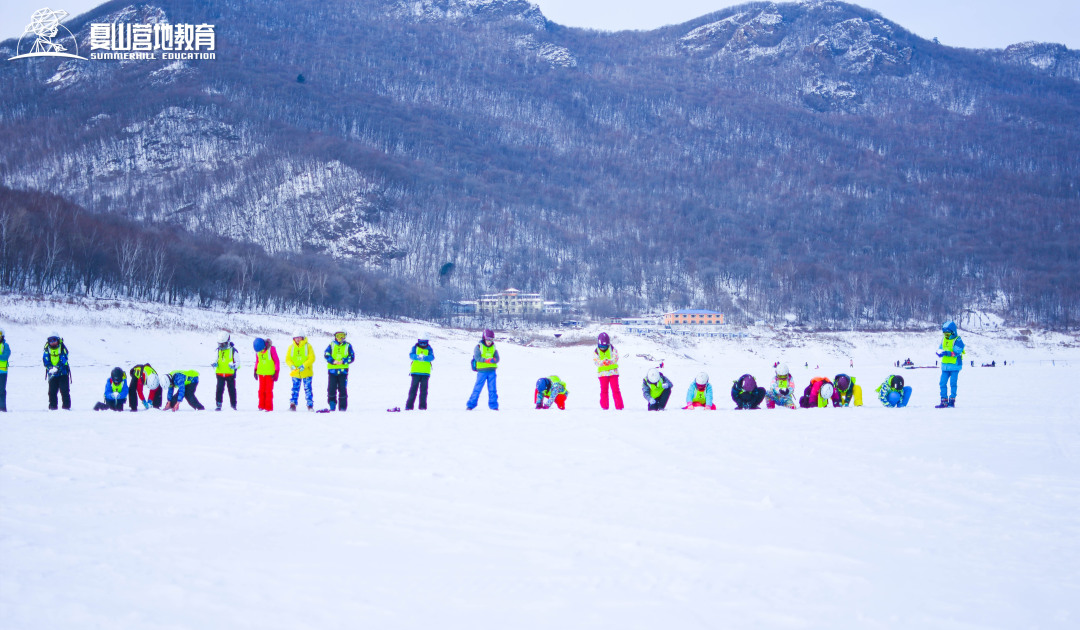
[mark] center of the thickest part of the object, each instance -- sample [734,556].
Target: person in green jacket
[422,355]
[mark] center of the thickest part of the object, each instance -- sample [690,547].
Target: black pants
[61,384]
[3,391]
[115,405]
[657,404]
[748,400]
[133,397]
[419,382]
[337,394]
[222,382]
[189,396]
[155,396]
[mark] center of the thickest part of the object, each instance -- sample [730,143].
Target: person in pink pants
[607,364]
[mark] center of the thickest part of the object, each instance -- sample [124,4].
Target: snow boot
[292,406]
[944,404]
[952,402]
[218,408]
[310,408]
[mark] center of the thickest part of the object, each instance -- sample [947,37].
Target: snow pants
[60,384]
[337,392]
[223,381]
[116,404]
[948,378]
[559,401]
[748,400]
[482,377]
[3,391]
[419,383]
[610,382]
[784,400]
[659,404]
[308,396]
[266,392]
[189,396]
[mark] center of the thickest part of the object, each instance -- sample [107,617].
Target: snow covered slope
[833,518]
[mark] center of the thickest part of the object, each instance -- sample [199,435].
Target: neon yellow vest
[947,346]
[605,355]
[421,367]
[486,352]
[4,363]
[266,363]
[224,358]
[699,395]
[657,389]
[339,352]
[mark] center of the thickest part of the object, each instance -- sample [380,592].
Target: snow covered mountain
[770,158]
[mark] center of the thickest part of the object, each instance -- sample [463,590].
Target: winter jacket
[853,395]
[300,358]
[485,363]
[421,356]
[56,357]
[191,377]
[813,393]
[607,361]
[782,389]
[647,388]
[138,378]
[114,392]
[883,392]
[341,352]
[702,396]
[951,351]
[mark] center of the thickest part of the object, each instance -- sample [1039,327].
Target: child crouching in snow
[116,391]
[699,395]
[782,390]
[550,390]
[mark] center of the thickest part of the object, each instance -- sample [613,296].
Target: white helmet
[826,390]
[152,381]
[782,370]
[424,336]
[223,337]
[653,376]
[702,379]
[299,334]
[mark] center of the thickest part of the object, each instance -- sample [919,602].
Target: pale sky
[966,23]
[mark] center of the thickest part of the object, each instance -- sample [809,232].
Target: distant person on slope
[57,371]
[550,390]
[267,368]
[420,370]
[140,381]
[339,356]
[951,352]
[606,358]
[484,362]
[656,388]
[225,366]
[746,394]
[893,393]
[782,390]
[849,392]
[819,393]
[700,393]
[182,386]
[301,358]
[116,391]
[5,354]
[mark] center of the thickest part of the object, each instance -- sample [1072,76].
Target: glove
[940,354]
[232,366]
[214,364]
[53,371]
[146,404]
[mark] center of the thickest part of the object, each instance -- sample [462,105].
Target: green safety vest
[188,376]
[54,354]
[486,352]
[657,389]
[339,352]
[947,346]
[605,355]
[3,363]
[555,380]
[699,395]
[266,363]
[117,387]
[224,358]
[421,367]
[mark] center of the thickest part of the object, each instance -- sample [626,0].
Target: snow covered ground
[832,518]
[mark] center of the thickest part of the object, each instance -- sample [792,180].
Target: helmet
[949,328]
[896,382]
[152,381]
[117,375]
[826,390]
[543,384]
[178,379]
[782,370]
[223,337]
[603,339]
[747,383]
[424,337]
[702,379]
[843,382]
[299,334]
[489,335]
[653,376]
[260,344]
[54,339]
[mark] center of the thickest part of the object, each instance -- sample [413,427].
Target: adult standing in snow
[57,371]
[300,358]
[225,366]
[606,358]
[140,375]
[951,352]
[782,390]
[420,370]
[116,390]
[746,394]
[484,362]
[5,354]
[182,386]
[893,392]
[656,388]
[267,368]
[339,355]
[699,395]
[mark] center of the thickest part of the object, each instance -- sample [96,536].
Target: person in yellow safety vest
[339,355]
[116,390]
[485,361]
[225,367]
[267,368]
[850,393]
[550,390]
[422,355]
[699,395]
[300,358]
[184,382]
[951,352]
[606,358]
[5,354]
[656,388]
[140,381]
[57,371]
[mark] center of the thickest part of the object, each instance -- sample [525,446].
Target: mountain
[810,158]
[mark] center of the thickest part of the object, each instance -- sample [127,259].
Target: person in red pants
[267,368]
[607,364]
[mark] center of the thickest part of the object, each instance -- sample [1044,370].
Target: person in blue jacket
[420,370]
[116,391]
[5,354]
[57,371]
[893,392]
[951,352]
[484,362]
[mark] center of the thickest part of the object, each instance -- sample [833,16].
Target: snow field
[838,518]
